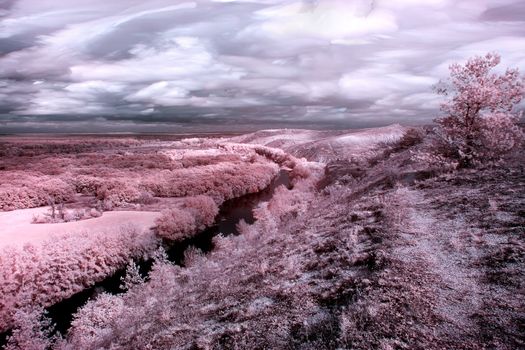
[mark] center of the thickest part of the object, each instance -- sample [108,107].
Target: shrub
[145,197]
[204,210]
[500,135]
[29,194]
[410,138]
[118,193]
[32,331]
[94,213]
[88,320]
[178,224]
[300,170]
[251,292]
[65,215]
[86,184]
[12,198]
[219,181]
[175,224]
[62,266]
[58,190]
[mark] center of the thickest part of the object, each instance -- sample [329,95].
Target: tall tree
[479,122]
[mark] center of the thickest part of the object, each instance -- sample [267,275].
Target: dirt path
[439,246]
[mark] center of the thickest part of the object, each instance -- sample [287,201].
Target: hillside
[373,250]
[323,146]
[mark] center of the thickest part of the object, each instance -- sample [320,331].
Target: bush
[118,193]
[219,181]
[500,135]
[88,320]
[204,210]
[31,195]
[59,268]
[86,184]
[410,138]
[145,197]
[33,330]
[252,292]
[58,190]
[175,224]
[178,224]
[12,198]
[65,215]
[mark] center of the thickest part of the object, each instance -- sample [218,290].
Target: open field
[16,227]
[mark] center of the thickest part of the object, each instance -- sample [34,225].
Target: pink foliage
[34,147]
[480,108]
[177,224]
[87,184]
[34,193]
[58,268]
[138,161]
[220,181]
[89,329]
[33,331]
[118,192]
[500,134]
[118,176]
[63,214]
[244,282]
[299,171]
[299,167]
[57,189]
[201,160]
[203,208]
[285,203]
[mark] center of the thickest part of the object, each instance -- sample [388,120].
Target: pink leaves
[33,192]
[220,181]
[33,331]
[500,134]
[474,85]
[203,209]
[62,266]
[175,224]
[197,213]
[479,125]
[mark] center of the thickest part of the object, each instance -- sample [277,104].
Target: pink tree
[479,123]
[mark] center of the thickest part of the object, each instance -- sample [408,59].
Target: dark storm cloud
[514,11]
[132,64]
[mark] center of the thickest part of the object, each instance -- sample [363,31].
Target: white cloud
[359,59]
[95,86]
[425,100]
[331,20]
[180,59]
[161,92]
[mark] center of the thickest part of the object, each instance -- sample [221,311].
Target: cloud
[333,20]
[334,63]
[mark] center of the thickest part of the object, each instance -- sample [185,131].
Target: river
[230,214]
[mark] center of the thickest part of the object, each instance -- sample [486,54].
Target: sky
[228,65]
